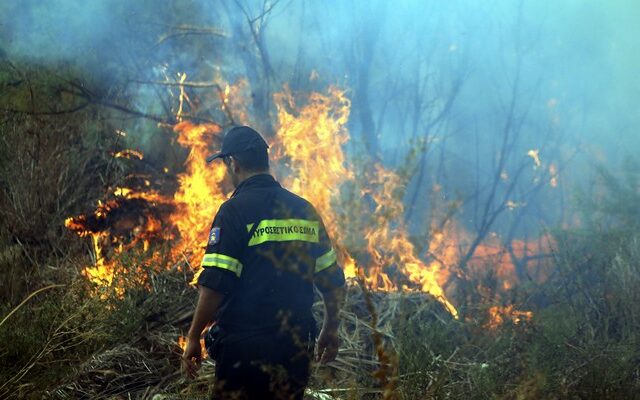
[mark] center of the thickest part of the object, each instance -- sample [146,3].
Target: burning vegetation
[362,206]
[152,221]
[471,273]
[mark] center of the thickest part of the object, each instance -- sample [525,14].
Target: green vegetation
[70,340]
[62,337]
[583,339]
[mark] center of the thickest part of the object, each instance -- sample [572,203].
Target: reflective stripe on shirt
[326,260]
[285,230]
[222,261]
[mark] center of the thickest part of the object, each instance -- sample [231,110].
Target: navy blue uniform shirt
[267,278]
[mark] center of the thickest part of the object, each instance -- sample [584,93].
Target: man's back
[275,286]
[267,248]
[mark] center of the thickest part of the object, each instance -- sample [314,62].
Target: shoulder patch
[214,236]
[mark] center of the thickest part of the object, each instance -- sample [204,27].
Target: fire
[534,256]
[309,146]
[129,154]
[116,226]
[307,150]
[130,218]
[133,218]
[233,100]
[389,245]
[202,187]
[200,192]
[100,272]
[310,142]
[362,207]
[498,315]
[182,343]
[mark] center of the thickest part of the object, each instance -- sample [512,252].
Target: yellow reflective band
[222,261]
[284,230]
[326,260]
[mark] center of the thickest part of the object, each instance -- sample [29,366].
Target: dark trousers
[267,366]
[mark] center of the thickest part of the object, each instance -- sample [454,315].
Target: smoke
[558,77]
[56,30]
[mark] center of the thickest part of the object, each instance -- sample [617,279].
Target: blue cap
[239,139]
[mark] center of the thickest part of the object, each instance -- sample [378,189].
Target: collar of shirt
[256,182]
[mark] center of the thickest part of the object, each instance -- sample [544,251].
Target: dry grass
[147,365]
[127,348]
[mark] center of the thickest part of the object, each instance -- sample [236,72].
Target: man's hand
[191,358]
[208,302]
[327,346]
[328,341]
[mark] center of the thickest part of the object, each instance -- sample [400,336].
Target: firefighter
[266,251]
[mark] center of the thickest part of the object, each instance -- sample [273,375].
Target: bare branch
[45,113]
[265,12]
[197,85]
[185,30]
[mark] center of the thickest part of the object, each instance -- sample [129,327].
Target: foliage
[583,339]
[50,168]
[70,333]
[76,340]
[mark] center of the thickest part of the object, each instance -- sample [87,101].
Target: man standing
[267,250]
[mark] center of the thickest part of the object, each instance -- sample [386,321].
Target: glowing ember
[182,343]
[535,155]
[498,315]
[129,154]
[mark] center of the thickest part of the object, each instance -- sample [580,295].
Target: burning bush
[50,166]
[526,328]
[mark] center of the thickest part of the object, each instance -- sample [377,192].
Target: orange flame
[199,195]
[389,245]
[307,152]
[129,154]
[182,343]
[111,235]
[498,315]
[309,145]
[310,139]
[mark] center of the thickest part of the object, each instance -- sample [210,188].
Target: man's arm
[208,303]
[329,279]
[328,341]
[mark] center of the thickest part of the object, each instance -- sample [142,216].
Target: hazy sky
[576,64]
[588,50]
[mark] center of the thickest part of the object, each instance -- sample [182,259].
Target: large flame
[361,205]
[388,243]
[200,192]
[310,139]
[308,149]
